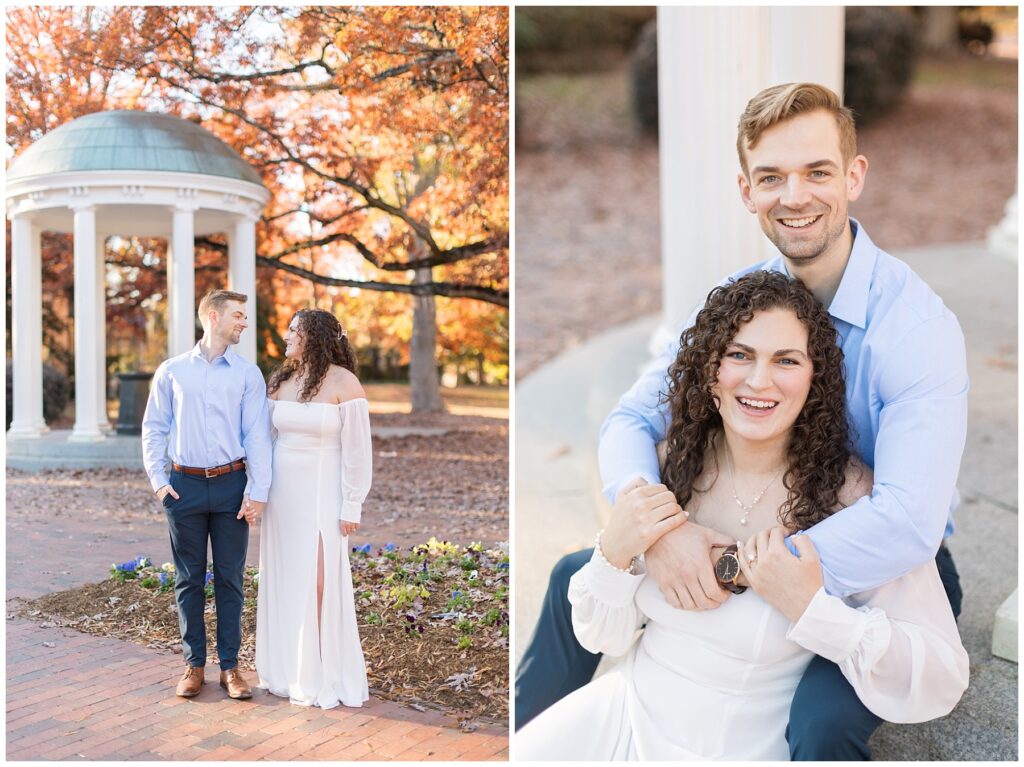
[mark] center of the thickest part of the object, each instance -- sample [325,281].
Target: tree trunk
[426,392]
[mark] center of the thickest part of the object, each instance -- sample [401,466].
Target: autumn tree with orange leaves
[382,134]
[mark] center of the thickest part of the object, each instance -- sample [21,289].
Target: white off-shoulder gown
[322,472]
[717,684]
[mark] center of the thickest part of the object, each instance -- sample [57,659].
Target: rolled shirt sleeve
[156,426]
[256,440]
[356,458]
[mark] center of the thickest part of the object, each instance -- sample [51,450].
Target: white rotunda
[127,173]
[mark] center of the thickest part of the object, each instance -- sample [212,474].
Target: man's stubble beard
[808,251]
[231,338]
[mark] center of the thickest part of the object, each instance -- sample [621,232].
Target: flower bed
[433,620]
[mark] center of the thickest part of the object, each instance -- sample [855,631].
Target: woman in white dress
[307,639]
[757,448]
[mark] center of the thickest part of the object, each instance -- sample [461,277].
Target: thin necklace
[747,508]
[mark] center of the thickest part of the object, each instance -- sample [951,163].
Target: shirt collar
[850,302]
[229,355]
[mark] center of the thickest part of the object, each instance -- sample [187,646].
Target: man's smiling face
[800,187]
[231,321]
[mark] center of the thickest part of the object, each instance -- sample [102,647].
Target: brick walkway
[78,696]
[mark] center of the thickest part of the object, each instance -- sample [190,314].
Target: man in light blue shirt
[906,393]
[206,432]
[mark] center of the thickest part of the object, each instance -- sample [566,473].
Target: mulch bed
[453,486]
[433,623]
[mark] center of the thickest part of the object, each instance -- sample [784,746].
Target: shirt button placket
[206,416]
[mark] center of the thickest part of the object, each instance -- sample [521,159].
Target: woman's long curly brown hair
[324,344]
[819,446]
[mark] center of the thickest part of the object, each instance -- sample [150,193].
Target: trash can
[132,401]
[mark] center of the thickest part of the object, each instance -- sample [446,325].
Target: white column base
[84,435]
[1004,631]
[1002,238]
[24,432]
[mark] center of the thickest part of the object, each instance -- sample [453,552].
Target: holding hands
[786,582]
[641,515]
[251,510]
[682,565]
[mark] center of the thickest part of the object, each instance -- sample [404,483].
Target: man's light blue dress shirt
[906,395]
[213,413]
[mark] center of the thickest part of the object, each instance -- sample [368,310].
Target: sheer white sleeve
[898,645]
[356,458]
[604,612]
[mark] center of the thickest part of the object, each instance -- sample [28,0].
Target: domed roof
[131,140]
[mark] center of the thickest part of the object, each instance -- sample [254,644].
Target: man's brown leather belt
[216,471]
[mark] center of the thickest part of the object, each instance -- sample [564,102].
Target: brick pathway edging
[78,696]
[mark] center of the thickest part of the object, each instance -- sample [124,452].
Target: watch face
[727,568]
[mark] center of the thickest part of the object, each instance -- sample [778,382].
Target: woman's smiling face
[294,342]
[764,377]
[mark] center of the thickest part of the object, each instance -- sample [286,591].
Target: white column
[86,375]
[711,62]
[26,329]
[181,282]
[101,333]
[807,45]
[169,322]
[36,327]
[242,277]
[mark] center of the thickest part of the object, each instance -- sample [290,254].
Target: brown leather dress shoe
[233,681]
[191,682]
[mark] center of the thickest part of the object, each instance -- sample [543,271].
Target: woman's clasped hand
[641,515]
[786,581]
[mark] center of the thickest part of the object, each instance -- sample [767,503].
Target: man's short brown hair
[214,302]
[782,102]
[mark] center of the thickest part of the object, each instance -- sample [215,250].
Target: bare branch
[224,77]
[448,289]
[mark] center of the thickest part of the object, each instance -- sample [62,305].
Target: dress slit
[321,588]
